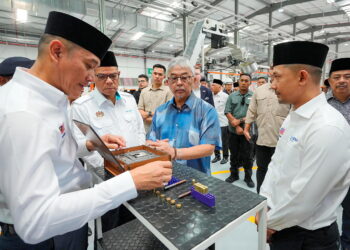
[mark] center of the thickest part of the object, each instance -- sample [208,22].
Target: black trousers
[225,139]
[240,150]
[297,238]
[263,158]
[345,236]
[115,218]
[75,240]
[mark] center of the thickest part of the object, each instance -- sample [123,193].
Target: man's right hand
[152,175]
[247,135]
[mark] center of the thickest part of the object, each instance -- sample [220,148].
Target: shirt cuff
[125,185]
[249,120]
[82,149]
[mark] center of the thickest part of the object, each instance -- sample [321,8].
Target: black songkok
[340,64]
[78,32]
[109,60]
[218,81]
[300,52]
[8,66]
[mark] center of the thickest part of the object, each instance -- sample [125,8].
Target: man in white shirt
[109,111]
[308,176]
[43,187]
[220,99]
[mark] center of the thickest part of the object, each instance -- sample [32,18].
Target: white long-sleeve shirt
[308,176]
[41,182]
[121,118]
[220,100]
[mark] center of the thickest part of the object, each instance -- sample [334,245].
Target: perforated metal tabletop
[194,225]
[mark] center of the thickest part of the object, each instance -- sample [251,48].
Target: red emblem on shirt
[282,130]
[61,128]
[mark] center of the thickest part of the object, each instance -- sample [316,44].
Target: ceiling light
[153,51]
[114,20]
[170,45]
[175,4]
[346,44]
[137,36]
[330,1]
[280,10]
[21,15]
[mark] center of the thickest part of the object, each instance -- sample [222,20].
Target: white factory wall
[131,66]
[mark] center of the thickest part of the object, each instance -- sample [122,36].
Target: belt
[7,229]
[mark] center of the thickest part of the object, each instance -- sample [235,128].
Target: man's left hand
[163,145]
[269,233]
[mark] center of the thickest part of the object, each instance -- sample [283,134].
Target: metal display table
[195,226]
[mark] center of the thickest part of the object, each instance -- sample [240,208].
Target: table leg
[262,228]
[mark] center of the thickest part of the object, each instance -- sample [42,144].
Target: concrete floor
[245,236]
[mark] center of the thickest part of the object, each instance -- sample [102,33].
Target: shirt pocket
[129,116]
[281,110]
[102,125]
[262,103]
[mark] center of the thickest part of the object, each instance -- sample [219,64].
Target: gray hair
[182,62]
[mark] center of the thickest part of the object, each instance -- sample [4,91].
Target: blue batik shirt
[194,124]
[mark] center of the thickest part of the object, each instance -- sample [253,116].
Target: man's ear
[56,49]
[303,77]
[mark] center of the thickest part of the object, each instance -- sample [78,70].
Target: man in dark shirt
[339,97]
[236,111]
[143,83]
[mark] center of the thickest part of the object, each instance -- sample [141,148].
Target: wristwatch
[149,114]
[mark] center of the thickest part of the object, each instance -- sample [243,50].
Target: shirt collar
[49,92]
[162,87]
[188,104]
[306,110]
[100,99]
[329,94]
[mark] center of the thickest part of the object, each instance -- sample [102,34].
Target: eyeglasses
[243,100]
[183,79]
[338,77]
[103,77]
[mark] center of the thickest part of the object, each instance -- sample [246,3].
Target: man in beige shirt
[269,114]
[154,96]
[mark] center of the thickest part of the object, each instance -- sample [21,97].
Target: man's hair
[245,74]
[315,72]
[159,66]
[261,77]
[47,38]
[182,62]
[143,76]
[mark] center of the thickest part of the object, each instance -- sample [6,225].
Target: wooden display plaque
[133,157]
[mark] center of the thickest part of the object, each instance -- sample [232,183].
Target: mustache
[341,85]
[181,89]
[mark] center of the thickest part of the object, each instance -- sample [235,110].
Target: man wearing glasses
[107,109]
[236,111]
[186,127]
